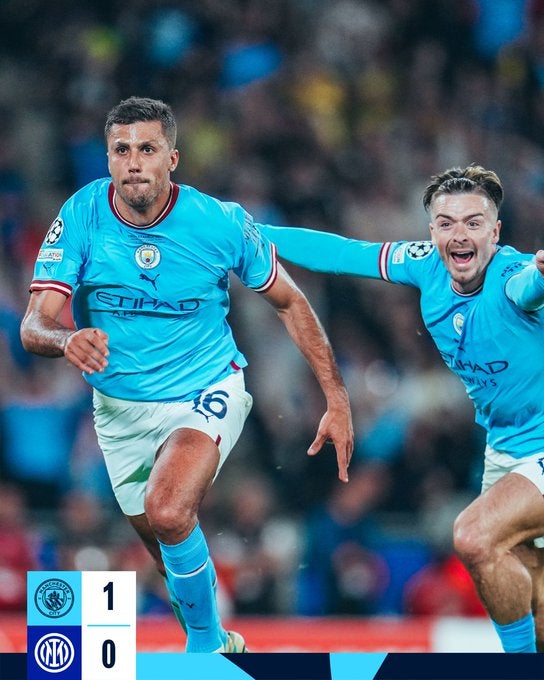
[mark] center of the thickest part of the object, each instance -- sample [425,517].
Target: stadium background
[330,114]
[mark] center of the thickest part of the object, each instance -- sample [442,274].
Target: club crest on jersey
[417,250]
[458,321]
[54,232]
[147,256]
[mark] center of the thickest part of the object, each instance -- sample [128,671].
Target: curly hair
[470,180]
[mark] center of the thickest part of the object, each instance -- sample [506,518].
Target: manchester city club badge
[54,598]
[148,256]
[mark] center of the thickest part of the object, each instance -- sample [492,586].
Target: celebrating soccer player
[146,263]
[483,305]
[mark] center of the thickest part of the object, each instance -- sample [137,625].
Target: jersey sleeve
[257,264]
[62,252]
[526,289]
[398,262]
[412,263]
[324,252]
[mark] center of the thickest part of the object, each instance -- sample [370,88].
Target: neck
[467,293]
[145,216]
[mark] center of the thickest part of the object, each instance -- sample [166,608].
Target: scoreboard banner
[82,626]
[312,666]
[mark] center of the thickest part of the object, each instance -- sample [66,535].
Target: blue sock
[191,577]
[518,636]
[175,605]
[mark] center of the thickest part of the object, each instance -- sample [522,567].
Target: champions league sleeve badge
[417,250]
[54,232]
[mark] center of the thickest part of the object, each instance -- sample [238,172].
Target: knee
[171,523]
[471,541]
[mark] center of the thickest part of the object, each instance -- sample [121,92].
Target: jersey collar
[474,292]
[170,203]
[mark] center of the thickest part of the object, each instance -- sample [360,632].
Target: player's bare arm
[42,333]
[306,331]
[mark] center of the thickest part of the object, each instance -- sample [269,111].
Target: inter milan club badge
[54,653]
[54,598]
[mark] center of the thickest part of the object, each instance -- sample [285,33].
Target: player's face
[140,161]
[465,229]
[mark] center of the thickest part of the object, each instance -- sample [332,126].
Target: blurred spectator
[341,571]
[256,555]
[498,23]
[17,548]
[83,538]
[12,191]
[39,417]
[442,588]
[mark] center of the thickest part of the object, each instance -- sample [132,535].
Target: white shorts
[131,432]
[498,464]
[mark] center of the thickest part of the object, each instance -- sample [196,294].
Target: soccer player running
[483,306]
[146,262]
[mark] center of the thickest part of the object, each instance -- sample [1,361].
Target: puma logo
[145,277]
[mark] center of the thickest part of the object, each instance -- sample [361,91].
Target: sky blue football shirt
[161,293]
[491,343]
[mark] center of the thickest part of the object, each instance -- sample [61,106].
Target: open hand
[88,350]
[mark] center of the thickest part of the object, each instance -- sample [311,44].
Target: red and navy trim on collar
[170,203]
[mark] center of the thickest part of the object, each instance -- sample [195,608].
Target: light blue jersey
[492,339]
[160,292]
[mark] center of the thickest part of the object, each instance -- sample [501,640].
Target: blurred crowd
[328,114]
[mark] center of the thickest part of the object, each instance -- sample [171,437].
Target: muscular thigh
[509,512]
[499,464]
[184,470]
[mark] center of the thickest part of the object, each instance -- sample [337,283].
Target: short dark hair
[138,109]
[470,180]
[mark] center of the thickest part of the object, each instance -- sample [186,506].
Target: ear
[174,160]
[431,229]
[497,231]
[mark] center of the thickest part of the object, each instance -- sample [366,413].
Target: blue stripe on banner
[172,666]
[360,666]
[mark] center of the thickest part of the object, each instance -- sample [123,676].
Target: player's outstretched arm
[41,333]
[325,252]
[526,289]
[307,333]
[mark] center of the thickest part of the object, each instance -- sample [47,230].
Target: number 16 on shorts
[108,625]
